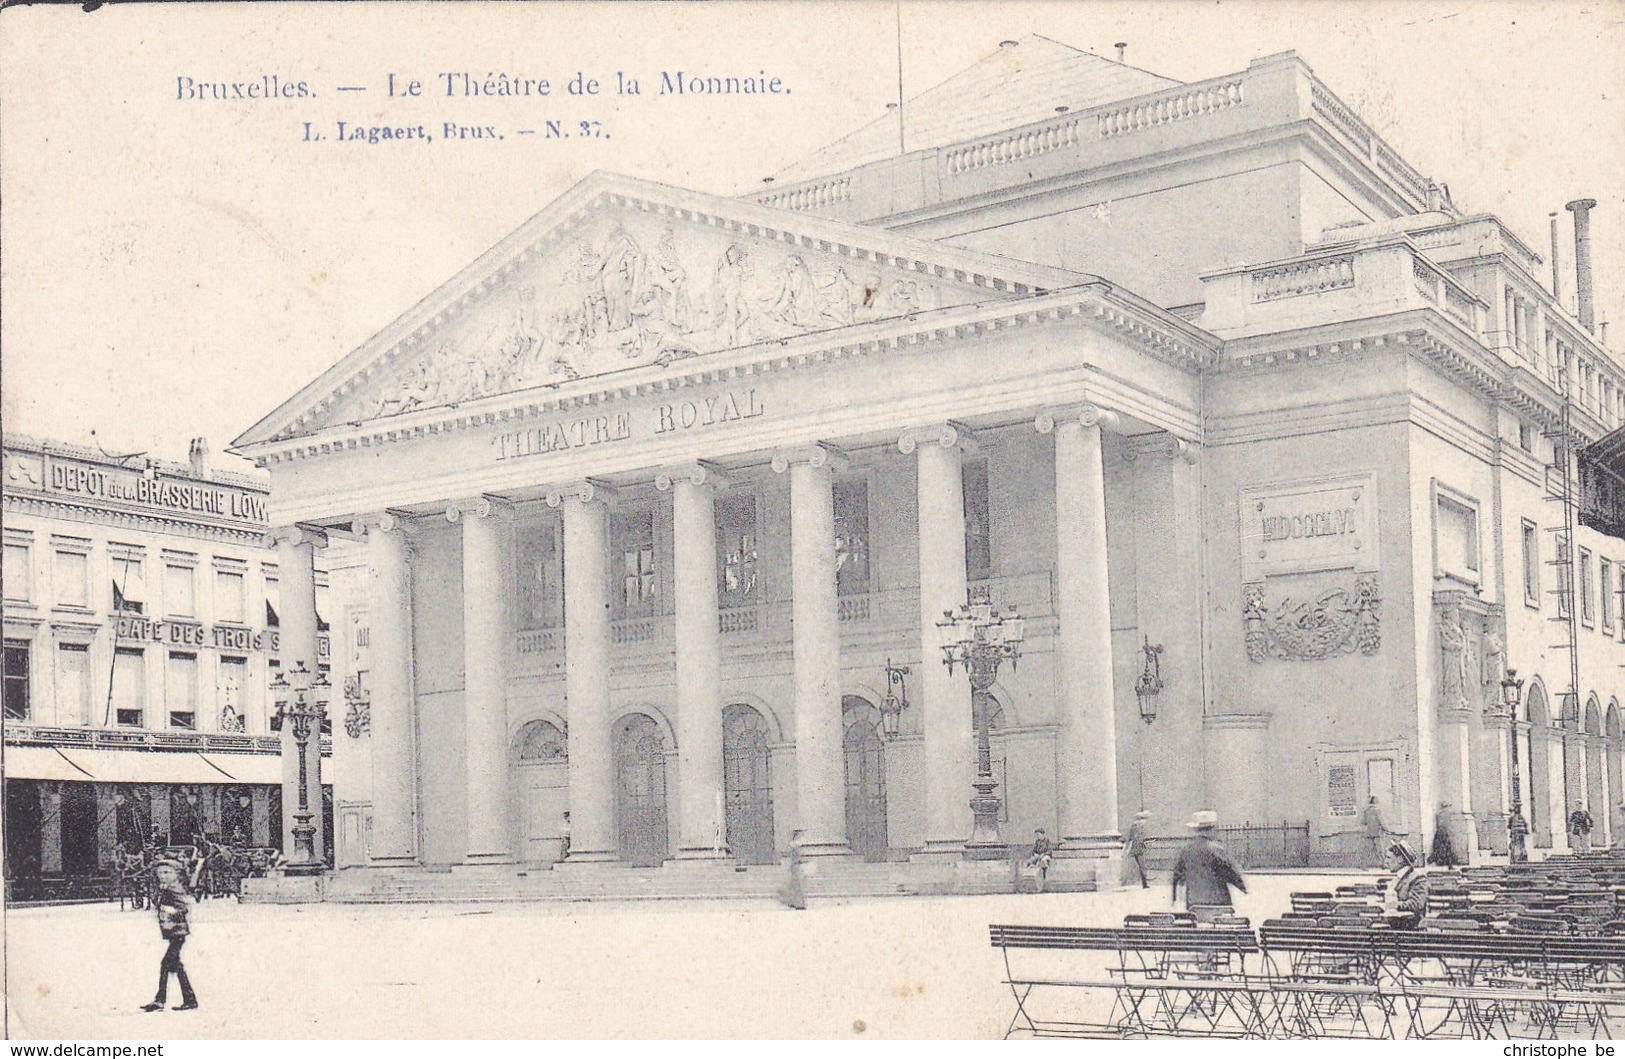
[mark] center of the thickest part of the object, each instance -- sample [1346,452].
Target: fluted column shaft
[394,766]
[586,676]
[485,723]
[950,762]
[297,642]
[699,663]
[820,776]
[1088,741]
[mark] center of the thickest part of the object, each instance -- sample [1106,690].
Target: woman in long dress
[794,892]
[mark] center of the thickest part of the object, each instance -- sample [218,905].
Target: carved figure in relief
[839,298]
[902,297]
[621,279]
[669,281]
[730,310]
[416,389]
[1253,618]
[1338,622]
[796,303]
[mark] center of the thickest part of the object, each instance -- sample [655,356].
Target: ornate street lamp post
[301,704]
[1517,829]
[979,638]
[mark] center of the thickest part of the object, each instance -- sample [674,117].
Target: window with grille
[737,551]
[634,536]
[852,558]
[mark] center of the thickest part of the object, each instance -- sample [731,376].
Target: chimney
[1557,284]
[198,455]
[1122,49]
[1581,208]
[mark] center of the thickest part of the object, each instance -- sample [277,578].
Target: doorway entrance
[640,790]
[865,778]
[747,785]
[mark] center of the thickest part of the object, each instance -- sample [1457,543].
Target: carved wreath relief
[633,294]
[1339,622]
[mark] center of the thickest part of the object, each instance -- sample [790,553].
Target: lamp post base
[985,842]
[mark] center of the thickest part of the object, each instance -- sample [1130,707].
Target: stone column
[1087,743]
[586,671]
[485,711]
[699,659]
[950,761]
[820,766]
[296,578]
[393,702]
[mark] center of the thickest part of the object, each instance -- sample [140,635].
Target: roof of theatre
[1020,82]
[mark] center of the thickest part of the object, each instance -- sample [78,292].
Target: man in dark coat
[172,905]
[1206,870]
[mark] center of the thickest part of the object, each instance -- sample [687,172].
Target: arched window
[541,741]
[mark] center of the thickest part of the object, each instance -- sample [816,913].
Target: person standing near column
[1134,846]
[173,924]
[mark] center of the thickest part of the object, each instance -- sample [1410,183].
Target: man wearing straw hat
[1206,870]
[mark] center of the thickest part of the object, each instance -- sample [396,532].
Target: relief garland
[1339,622]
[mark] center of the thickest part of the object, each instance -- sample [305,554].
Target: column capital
[1164,445]
[1087,414]
[386,521]
[585,490]
[818,454]
[296,534]
[697,472]
[492,507]
[948,434]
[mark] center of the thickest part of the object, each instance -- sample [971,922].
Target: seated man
[1409,895]
[1038,860]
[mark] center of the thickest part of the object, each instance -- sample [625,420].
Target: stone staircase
[826,878]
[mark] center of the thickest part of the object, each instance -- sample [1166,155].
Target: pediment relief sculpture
[634,292]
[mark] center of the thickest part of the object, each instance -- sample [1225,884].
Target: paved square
[893,967]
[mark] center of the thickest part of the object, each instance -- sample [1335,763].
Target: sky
[174,266]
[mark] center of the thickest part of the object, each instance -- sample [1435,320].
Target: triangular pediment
[620,274]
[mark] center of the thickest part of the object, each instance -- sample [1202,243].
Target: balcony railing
[19,734]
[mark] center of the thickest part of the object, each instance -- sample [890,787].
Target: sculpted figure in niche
[1453,647]
[1495,664]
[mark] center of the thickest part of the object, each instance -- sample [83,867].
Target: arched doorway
[1616,793]
[542,780]
[640,790]
[1596,797]
[865,778]
[747,785]
[1540,731]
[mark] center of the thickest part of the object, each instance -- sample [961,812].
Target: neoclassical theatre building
[1276,451]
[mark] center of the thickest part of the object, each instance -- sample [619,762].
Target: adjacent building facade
[661,500]
[141,639]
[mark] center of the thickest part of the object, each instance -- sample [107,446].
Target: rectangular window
[634,536]
[229,596]
[1456,543]
[180,591]
[180,690]
[1588,603]
[130,686]
[233,675]
[72,576]
[737,555]
[1531,564]
[273,603]
[541,577]
[852,558]
[17,575]
[1605,592]
[73,684]
[129,585]
[1526,437]
[1565,579]
[16,680]
[978,522]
